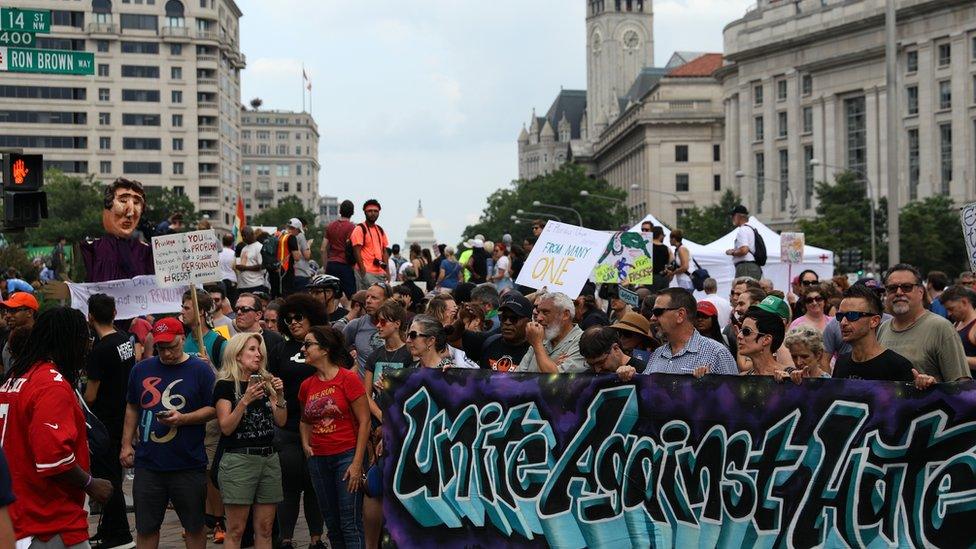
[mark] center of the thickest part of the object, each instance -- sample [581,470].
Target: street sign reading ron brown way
[46,61]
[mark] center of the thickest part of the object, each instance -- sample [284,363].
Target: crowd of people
[259,406]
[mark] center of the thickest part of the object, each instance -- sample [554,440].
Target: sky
[424,99]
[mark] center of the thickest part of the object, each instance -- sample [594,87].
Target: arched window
[102,6]
[174,14]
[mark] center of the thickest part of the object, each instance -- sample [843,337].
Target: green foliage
[14,256]
[288,208]
[704,225]
[162,202]
[931,236]
[843,218]
[561,188]
[74,211]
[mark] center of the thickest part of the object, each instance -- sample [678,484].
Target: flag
[239,220]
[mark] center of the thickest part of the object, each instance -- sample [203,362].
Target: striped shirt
[700,351]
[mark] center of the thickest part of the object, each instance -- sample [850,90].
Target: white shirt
[723,306]
[504,263]
[226,261]
[250,256]
[745,237]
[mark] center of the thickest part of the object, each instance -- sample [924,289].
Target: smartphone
[255,379]
[163,413]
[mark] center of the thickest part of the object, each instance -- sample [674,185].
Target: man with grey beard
[553,338]
[926,339]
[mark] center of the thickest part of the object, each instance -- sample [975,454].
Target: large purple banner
[482,459]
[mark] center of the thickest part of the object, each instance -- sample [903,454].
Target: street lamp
[584,193]
[814,162]
[536,203]
[540,214]
[789,192]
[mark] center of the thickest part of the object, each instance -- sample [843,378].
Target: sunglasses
[852,316]
[413,334]
[307,344]
[905,288]
[658,311]
[814,299]
[508,317]
[747,332]
[383,321]
[810,282]
[297,317]
[245,310]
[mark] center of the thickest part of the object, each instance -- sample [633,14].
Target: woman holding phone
[249,403]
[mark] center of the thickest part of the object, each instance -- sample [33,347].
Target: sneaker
[218,535]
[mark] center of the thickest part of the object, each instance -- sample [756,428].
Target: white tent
[817,259]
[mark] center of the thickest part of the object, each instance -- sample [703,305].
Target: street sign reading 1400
[46,61]
[13,19]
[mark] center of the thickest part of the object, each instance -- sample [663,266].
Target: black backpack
[760,252]
[350,255]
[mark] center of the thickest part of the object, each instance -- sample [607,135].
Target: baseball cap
[740,209]
[20,299]
[635,323]
[870,283]
[518,304]
[478,243]
[707,308]
[295,223]
[166,329]
[775,305]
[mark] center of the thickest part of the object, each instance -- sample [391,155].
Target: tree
[162,202]
[843,218]
[560,188]
[704,225]
[931,236]
[288,208]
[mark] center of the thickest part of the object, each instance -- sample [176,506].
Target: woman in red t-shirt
[334,430]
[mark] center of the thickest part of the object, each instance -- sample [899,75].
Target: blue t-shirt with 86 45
[156,387]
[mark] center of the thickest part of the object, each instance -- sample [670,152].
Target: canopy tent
[817,259]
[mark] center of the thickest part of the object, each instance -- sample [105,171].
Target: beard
[552,332]
[900,307]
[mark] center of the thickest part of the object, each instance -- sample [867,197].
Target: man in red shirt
[369,244]
[334,259]
[44,434]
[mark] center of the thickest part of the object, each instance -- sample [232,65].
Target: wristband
[87,484]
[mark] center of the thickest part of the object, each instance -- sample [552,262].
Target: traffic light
[24,203]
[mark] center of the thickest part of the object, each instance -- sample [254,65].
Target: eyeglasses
[814,299]
[245,310]
[747,332]
[658,311]
[852,316]
[297,317]
[413,334]
[905,288]
[810,282]
[307,344]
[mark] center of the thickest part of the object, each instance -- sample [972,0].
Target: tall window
[681,153]
[681,183]
[757,94]
[716,153]
[945,156]
[807,177]
[806,84]
[945,54]
[781,90]
[912,94]
[784,178]
[807,120]
[782,123]
[760,181]
[945,94]
[914,166]
[717,182]
[857,143]
[758,128]
[911,61]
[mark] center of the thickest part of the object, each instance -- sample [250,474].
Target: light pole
[871,198]
[540,214]
[891,94]
[789,192]
[536,203]
[584,193]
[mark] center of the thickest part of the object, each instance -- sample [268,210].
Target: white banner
[186,258]
[136,297]
[563,258]
[968,219]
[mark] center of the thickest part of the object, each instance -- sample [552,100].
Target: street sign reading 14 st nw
[14,19]
[46,61]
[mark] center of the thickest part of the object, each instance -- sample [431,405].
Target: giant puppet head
[124,202]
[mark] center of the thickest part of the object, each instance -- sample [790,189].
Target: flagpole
[303,87]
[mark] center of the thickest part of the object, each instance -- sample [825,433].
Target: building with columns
[805,80]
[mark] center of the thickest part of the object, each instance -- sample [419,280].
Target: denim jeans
[342,511]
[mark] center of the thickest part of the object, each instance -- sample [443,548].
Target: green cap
[775,305]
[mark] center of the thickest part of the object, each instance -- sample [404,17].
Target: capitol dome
[420,231]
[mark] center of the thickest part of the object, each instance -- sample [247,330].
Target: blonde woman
[249,402]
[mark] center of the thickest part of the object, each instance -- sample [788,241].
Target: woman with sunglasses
[759,338]
[296,316]
[335,430]
[814,301]
[427,341]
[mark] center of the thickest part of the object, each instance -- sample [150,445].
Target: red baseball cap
[165,330]
[707,308]
[20,299]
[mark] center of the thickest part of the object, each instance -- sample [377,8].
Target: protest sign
[627,259]
[482,459]
[134,297]
[629,297]
[182,259]
[968,219]
[563,258]
[791,247]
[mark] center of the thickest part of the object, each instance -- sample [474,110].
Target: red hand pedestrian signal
[20,172]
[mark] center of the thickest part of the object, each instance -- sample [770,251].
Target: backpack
[269,253]
[698,276]
[760,252]
[350,255]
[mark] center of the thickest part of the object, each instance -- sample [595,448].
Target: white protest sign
[134,297]
[186,258]
[791,247]
[563,258]
[968,219]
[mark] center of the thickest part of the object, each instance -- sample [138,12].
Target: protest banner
[627,259]
[629,297]
[968,219]
[483,459]
[138,296]
[187,259]
[791,247]
[563,258]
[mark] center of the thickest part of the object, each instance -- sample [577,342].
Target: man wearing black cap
[745,245]
[502,350]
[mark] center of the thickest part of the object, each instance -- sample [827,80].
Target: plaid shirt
[700,351]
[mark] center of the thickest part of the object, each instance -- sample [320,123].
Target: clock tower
[619,43]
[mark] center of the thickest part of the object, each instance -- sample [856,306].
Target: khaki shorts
[245,480]
[210,441]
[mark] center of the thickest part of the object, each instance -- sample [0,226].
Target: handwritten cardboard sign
[563,258]
[968,219]
[134,297]
[791,247]
[186,258]
[627,259]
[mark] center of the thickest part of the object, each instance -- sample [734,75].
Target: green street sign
[17,39]
[14,19]
[46,61]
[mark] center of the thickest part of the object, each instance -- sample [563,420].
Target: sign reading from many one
[627,259]
[563,258]
[186,258]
